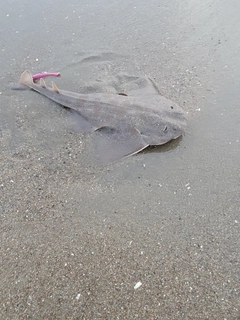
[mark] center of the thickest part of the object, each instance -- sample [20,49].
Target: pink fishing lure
[45,74]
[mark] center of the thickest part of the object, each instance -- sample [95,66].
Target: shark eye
[165,129]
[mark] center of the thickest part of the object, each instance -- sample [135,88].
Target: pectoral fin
[113,144]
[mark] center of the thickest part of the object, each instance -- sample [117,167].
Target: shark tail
[26,78]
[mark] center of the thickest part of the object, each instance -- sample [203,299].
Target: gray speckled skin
[125,124]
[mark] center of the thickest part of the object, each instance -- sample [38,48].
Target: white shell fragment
[138,285]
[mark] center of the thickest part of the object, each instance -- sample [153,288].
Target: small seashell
[138,285]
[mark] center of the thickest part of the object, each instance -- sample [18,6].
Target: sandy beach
[155,235]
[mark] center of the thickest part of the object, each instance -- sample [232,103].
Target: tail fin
[26,78]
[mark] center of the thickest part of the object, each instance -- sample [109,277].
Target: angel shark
[122,124]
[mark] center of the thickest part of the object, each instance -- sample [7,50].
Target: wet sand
[76,238]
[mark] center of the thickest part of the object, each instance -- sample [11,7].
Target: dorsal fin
[42,83]
[55,88]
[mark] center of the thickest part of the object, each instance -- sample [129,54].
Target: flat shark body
[123,125]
